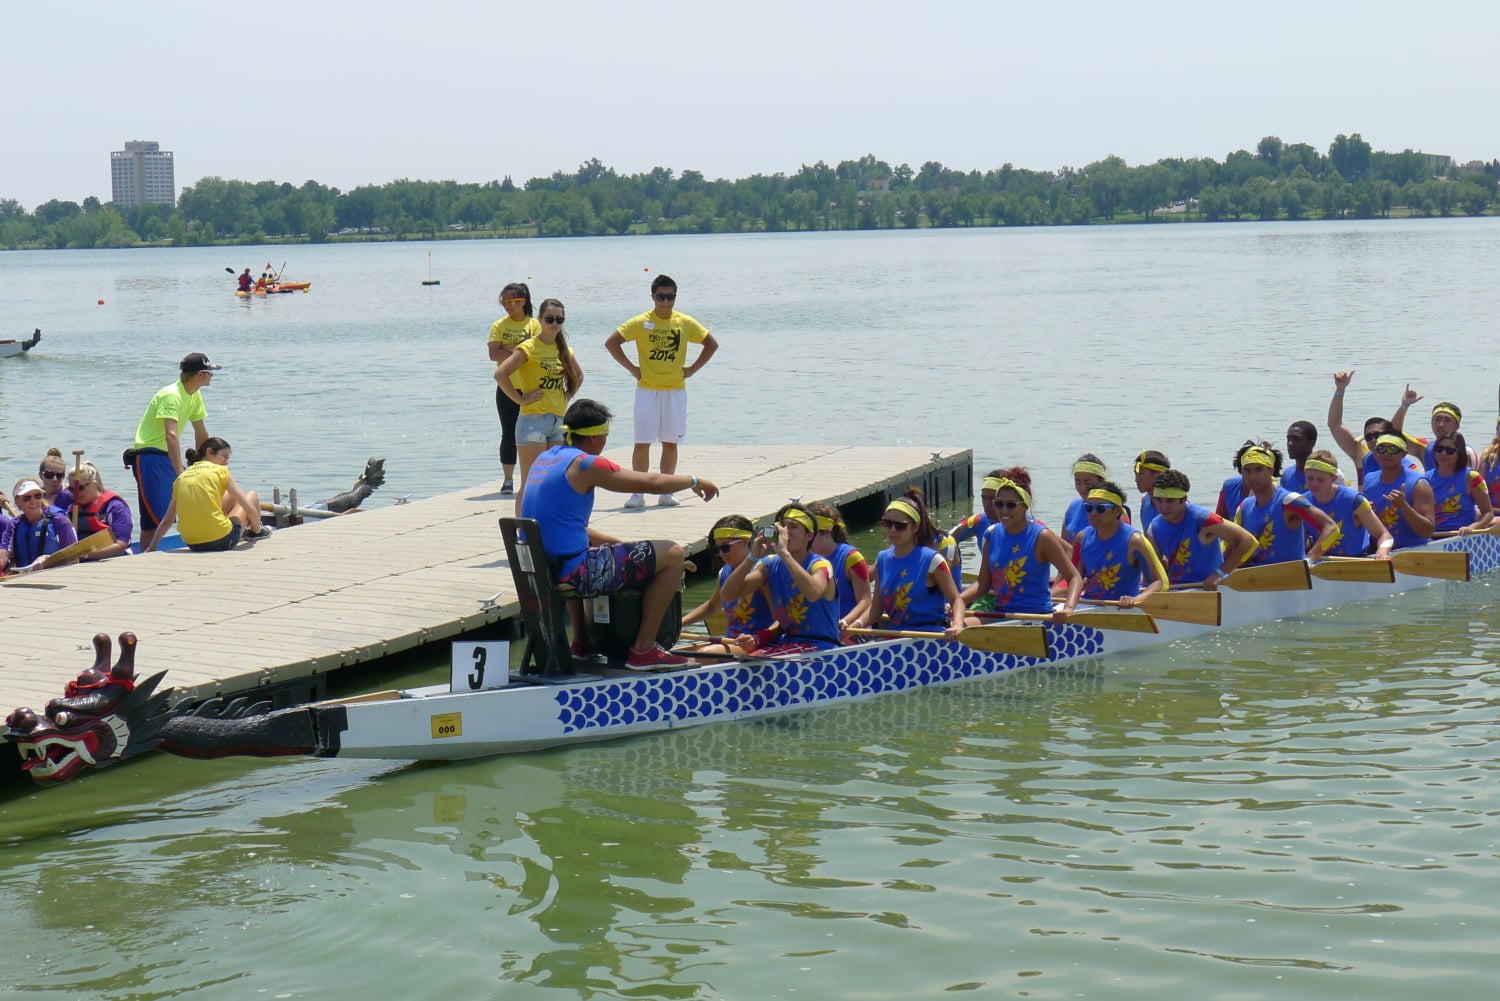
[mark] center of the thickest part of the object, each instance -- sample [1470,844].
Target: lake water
[1303,809]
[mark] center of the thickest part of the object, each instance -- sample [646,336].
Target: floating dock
[282,612]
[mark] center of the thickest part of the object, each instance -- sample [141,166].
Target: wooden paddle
[1444,566]
[1290,576]
[1488,530]
[1126,621]
[1358,570]
[69,554]
[1023,641]
[1202,608]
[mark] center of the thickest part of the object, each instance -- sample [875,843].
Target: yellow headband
[827,524]
[1450,410]
[1391,439]
[903,507]
[1257,457]
[588,432]
[1013,485]
[801,517]
[1155,467]
[1169,493]
[730,533]
[1091,468]
[1321,466]
[993,482]
[1100,494]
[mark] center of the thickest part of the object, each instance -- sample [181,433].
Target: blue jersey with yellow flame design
[1276,543]
[907,595]
[815,622]
[1388,513]
[1019,581]
[1108,572]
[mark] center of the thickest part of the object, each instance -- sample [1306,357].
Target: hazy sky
[349,94]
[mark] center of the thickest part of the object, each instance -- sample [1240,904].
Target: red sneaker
[655,659]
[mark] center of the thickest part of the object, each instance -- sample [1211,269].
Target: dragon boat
[107,716]
[11,347]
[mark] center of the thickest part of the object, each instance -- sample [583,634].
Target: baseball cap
[198,362]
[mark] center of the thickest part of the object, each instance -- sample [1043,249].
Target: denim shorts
[539,429]
[219,545]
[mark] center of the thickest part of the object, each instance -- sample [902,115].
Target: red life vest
[89,520]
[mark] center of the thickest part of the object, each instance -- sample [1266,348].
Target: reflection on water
[1302,809]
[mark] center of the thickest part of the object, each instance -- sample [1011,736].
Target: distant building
[142,173]
[1439,162]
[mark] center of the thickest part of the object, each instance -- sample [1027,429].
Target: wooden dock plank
[352,589]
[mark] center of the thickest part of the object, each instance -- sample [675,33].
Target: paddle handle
[906,634]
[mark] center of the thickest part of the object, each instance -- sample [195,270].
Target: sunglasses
[665,297]
[1445,449]
[1373,435]
[77,488]
[895,525]
[553,319]
[1098,508]
[1001,505]
[724,548]
[48,474]
[513,302]
[30,497]
[1389,449]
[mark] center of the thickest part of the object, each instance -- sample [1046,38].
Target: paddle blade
[1023,641]
[1292,576]
[1125,621]
[1443,566]
[1201,608]
[1358,571]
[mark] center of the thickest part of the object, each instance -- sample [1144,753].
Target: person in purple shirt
[99,509]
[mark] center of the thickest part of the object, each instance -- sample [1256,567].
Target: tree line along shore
[1275,181]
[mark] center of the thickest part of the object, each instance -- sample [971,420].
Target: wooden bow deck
[350,590]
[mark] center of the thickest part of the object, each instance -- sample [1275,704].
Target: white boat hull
[434,724]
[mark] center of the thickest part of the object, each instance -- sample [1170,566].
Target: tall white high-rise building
[141,173]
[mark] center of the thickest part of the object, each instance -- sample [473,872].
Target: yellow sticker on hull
[447,725]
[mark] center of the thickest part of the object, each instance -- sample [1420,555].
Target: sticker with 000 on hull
[447,725]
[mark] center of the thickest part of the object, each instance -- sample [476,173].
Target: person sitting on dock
[1277,516]
[850,568]
[1198,548]
[157,454]
[99,509]
[1113,555]
[40,531]
[804,591]
[912,585]
[215,512]
[1017,555]
[560,498]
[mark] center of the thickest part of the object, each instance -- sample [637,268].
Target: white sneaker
[635,500]
[666,500]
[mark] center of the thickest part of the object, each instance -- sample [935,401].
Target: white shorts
[660,415]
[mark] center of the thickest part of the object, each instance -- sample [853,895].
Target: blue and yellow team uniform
[1187,558]
[1276,543]
[907,595]
[1019,581]
[1388,513]
[1352,538]
[750,614]
[815,622]
[1452,501]
[1108,572]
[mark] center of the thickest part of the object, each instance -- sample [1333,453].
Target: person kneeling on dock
[560,498]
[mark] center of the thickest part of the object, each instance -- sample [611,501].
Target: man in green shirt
[157,454]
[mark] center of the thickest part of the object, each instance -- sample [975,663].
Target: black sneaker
[264,533]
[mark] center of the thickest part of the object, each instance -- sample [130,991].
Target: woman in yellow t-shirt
[212,509]
[510,330]
[540,377]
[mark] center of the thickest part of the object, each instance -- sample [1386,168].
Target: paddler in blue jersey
[1017,556]
[1197,546]
[1148,465]
[1402,497]
[1276,516]
[560,496]
[1112,554]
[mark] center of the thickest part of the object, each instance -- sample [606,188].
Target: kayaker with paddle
[99,509]
[1401,496]
[661,336]
[912,585]
[245,281]
[40,531]
[157,454]
[1017,556]
[801,584]
[560,497]
[1359,529]
[506,333]
[1460,496]
[1112,555]
[1198,548]
[540,376]
[1277,516]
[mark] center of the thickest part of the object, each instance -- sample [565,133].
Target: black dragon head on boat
[103,718]
[369,481]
